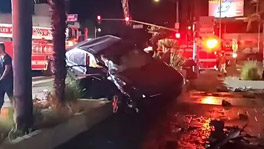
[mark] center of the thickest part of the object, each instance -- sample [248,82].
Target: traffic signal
[127,19]
[99,19]
[177,35]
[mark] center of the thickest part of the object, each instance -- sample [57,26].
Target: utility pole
[259,24]
[263,43]
[22,11]
[95,32]
[220,25]
[177,24]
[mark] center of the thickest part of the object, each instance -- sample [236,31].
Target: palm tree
[22,40]
[59,28]
[256,17]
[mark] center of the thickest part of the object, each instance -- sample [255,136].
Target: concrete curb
[53,137]
[235,83]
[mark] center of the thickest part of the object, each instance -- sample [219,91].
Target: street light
[156,1]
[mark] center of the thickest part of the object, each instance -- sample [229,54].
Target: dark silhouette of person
[6,75]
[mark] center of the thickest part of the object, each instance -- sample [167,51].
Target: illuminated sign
[229,8]
[72,17]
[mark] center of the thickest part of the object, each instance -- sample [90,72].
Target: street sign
[206,25]
[72,17]
[138,26]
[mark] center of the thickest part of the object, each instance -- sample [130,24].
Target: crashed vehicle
[113,68]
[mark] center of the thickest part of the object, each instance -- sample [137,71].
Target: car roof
[96,45]
[109,46]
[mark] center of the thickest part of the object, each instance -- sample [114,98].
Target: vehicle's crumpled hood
[153,78]
[96,45]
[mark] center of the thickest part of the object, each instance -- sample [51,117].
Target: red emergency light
[127,19]
[99,18]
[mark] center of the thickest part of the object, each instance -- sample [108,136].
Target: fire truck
[42,48]
[207,59]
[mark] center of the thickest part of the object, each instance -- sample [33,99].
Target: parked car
[128,75]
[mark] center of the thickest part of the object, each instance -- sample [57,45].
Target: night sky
[145,10]
[162,13]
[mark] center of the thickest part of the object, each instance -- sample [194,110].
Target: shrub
[176,60]
[72,89]
[251,70]
[72,93]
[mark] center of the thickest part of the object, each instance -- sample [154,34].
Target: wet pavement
[185,123]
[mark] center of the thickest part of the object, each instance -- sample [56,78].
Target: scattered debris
[243,117]
[226,103]
[218,134]
[222,89]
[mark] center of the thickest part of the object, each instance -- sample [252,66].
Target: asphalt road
[185,122]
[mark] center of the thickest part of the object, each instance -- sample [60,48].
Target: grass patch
[6,122]
[72,89]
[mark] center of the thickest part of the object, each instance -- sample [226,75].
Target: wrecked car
[123,73]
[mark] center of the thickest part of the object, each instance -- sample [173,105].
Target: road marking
[247,113]
[255,110]
[256,119]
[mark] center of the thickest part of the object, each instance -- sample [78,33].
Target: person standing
[6,75]
[222,63]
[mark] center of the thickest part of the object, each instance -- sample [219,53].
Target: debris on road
[243,117]
[226,103]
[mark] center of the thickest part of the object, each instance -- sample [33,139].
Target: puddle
[210,100]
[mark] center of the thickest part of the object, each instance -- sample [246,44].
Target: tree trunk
[22,41]
[59,28]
